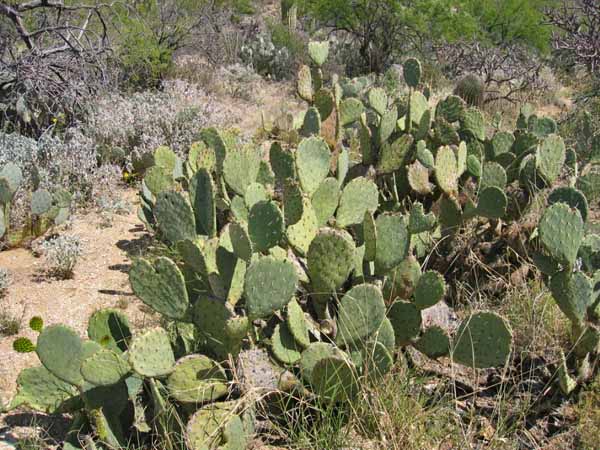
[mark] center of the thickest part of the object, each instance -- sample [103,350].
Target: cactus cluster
[298,269]
[46,208]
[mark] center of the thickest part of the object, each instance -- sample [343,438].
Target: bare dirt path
[100,281]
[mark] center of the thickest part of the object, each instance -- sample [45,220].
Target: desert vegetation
[299,224]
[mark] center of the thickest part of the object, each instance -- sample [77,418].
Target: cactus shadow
[124,268]
[49,429]
[135,247]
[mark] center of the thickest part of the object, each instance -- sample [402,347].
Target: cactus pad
[282,162]
[482,340]
[472,123]
[41,202]
[104,368]
[450,109]
[110,328]
[296,323]
[550,157]
[202,198]
[61,351]
[412,72]
[301,234]
[360,314]
[284,346]
[434,342]
[446,170]
[157,180]
[387,126]
[175,217]
[318,52]
[561,230]
[392,242]
[378,100]
[240,241]
[162,286]
[312,162]
[325,200]
[330,260]
[39,389]
[313,354]
[406,320]
[350,111]
[311,125]
[418,221]
[370,236]
[325,103]
[150,353]
[265,225]
[418,178]
[430,289]
[392,156]
[402,280]
[197,379]
[335,379]
[492,203]
[359,196]
[270,285]
[573,294]
[572,197]
[305,88]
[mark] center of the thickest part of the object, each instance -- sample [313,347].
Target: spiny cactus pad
[160,286]
[350,111]
[392,155]
[446,170]
[202,198]
[175,217]
[240,241]
[359,196]
[330,260]
[104,368]
[370,236]
[360,313]
[61,351]
[41,202]
[392,242]
[312,162]
[434,342]
[335,379]
[550,157]
[572,197]
[284,346]
[305,88]
[282,162]
[406,320]
[270,285]
[450,109]
[412,72]
[402,280]
[296,323]
[482,340]
[265,225]
[325,200]
[418,178]
[378,100]
[492,203]
[313,354]
[561,231]
[197,379]
[318,52]
[301,234]
[110,328]
[418,221]
[573,294]
[493,174]
[472,122]
[150,353]
[39,389]
[430,289]
[312,123]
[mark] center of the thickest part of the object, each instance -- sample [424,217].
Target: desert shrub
[143,121]
[61,254]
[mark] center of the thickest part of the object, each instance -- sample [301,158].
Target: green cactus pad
[218,329]
[350,111]
[424,155]
[150,353]
[202,198]
[311,125]
[360,314]
[313,354]
[335,379]
[240,168]
[330,260]
[573,294]
[61,351]
[157,180]
[301,234]
[402,280]
[473,123]
[446,170]
[160,286]
[566,382]
[255,193]
[304,86]
[589,182]
[41,202]
[434,342]
[359,196]
[365,139]
[104,368]
[282,162]
[39,389]
[270,285]
[418,221]
[325,103]
[265,225]
[239,209]
[197,379]
[387,126]
[293,205]
[240,241]
[110,328]
[392,242]
[444,133]
[492,203]
[378,361]
[412,72]
[483,340]
[13,174]
[572,197]
[284,346]
[175,217]
[550,157]
[23,345]
[312,162]
[502,142]
[561,231]
[418,178]
[450,109]
[378,100]
[325,200]
[430,289]
[318,52]
[542,126]
[392,156]
[587,341]
[165,157]
[215,427]
[370,237]
[406,320]
[296,323]
[493,174]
